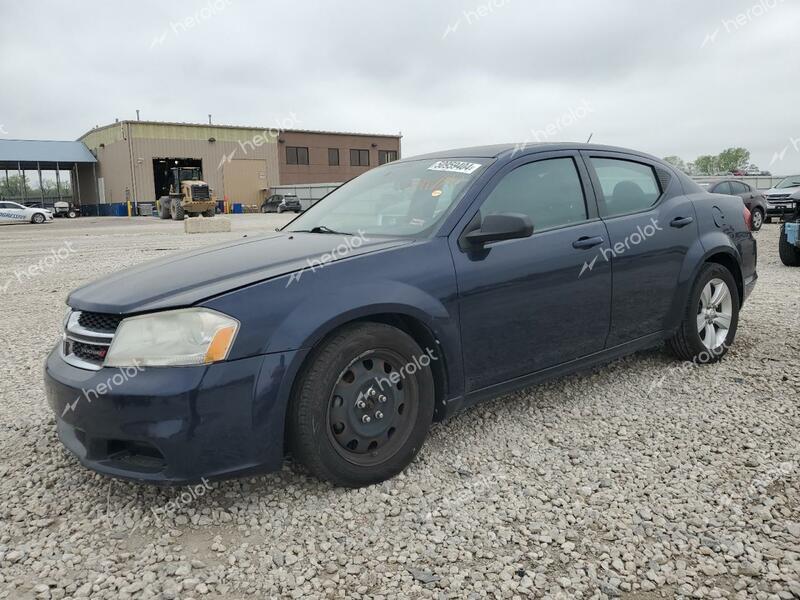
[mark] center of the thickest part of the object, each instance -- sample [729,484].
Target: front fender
[356,302]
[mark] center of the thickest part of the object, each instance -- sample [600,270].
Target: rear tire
[164,207]
[703,338]
[348,422]
[790,255]
[758,218]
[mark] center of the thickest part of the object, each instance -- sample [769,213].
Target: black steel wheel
[363,405]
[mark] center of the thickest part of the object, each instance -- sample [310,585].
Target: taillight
[748,219]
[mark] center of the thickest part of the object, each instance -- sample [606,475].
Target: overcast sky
[666,77]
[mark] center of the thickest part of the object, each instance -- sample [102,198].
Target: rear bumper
[172,425]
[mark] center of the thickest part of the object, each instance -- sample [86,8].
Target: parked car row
[753,199]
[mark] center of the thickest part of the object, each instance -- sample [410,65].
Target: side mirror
[495,228]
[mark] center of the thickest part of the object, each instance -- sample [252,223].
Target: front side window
[408,198]
[359,158]
[547,191]
[296,155]
[627,186]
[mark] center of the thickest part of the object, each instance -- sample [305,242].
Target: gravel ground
[643,479]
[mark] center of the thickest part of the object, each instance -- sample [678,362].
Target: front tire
[38,219]
[177,211]
[710,320]
[790,255]
[362,407]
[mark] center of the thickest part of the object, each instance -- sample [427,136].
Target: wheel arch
[411,324]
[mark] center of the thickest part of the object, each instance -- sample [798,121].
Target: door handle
[679,222]
[587,242]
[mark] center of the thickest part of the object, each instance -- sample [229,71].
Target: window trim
[590,198]
[297,162]
[598,189]
[338,158]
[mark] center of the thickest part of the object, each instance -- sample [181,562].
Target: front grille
[87,338]
[778,196]
[89,352]
[200,192]
[99,322]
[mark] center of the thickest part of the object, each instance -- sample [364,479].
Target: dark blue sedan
[408,294]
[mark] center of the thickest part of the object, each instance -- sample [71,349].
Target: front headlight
[185,337]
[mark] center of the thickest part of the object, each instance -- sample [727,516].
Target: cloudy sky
[667,77]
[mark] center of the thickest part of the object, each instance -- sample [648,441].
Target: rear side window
[627,186]
[722,188]
[739,188]
[548,191]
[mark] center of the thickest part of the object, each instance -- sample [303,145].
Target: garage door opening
[162,173]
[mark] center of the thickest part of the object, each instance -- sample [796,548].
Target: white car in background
[11,212]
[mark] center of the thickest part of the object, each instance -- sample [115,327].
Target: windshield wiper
[322,229]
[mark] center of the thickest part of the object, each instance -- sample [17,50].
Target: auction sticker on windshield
[455,166]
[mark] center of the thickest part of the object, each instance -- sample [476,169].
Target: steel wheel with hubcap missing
[362,405]
[369,416]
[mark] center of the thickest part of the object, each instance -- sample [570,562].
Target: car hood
[187,278]
[775,191]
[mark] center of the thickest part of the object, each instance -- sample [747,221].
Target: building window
[385,156]
[296,155]
[333,157]
[359,158]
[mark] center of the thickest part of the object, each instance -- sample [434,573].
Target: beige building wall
[125,152]
[318,170]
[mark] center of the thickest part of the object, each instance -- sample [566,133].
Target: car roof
[508,150]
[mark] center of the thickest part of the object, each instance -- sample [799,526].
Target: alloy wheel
[715,313]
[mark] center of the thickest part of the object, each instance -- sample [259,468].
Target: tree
[733,159]
[707,164]
[676,161]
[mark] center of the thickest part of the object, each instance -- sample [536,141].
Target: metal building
[241,164]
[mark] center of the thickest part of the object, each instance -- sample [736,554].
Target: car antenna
[590,137]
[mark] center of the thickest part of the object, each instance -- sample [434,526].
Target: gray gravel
[637,480]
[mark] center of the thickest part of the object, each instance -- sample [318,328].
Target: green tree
[732,159]
[707,164]
[676,161]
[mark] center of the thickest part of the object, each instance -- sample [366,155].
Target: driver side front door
[532,303]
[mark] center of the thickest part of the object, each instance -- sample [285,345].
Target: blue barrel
[237,209]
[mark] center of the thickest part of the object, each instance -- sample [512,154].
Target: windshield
[789,182]
[398,199]
[190,174]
